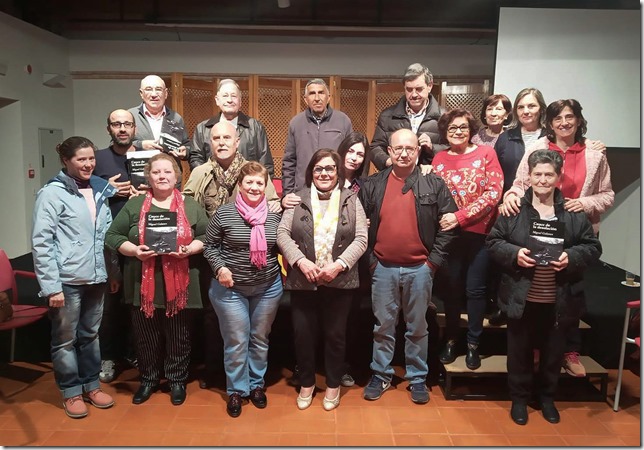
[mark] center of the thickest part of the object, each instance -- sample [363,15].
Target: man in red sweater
[405,248]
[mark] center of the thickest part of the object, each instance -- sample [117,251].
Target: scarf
[226,180]
[256,217]
[176,271]
[324,226]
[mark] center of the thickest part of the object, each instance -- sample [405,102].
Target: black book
[161,231]
[136,161]
[546,241]
[171,133]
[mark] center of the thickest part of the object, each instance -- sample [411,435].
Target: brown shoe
[99,398]
[75,407]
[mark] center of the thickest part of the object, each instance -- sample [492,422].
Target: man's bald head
[153,93]
[223,143]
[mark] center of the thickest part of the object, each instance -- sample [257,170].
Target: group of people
[448,198]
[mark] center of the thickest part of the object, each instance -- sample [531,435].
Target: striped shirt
[544,285]
[227,244]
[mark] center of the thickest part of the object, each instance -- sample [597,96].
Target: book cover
[161,231]
[136,161]
[546,241]
[171,133]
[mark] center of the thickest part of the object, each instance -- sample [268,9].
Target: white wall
[621,228]
[39,107]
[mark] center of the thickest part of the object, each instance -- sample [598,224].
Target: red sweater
[573,172]
[475,181]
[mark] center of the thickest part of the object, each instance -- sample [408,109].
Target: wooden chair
[23,315]
[630,307]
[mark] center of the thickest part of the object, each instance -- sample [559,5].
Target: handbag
[6,310]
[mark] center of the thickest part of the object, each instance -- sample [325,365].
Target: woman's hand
[573,205]
[561,264]
[144,253]
[310,270]
[448,222]
[523,260]
[57,300]
[114,286]
[184,252]
[511,205]
[330,271]
[426,169]
[225,277]
[291,201]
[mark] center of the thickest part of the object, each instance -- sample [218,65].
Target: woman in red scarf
[158,285]
[245,293]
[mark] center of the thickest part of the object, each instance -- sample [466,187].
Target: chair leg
[620,368]
[13,345]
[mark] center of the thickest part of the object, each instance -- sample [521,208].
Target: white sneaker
[108,371]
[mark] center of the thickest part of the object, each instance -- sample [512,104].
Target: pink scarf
[176,271]
[257,218]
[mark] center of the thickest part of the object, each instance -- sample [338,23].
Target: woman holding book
[542,302]
[161,288]
[247,285]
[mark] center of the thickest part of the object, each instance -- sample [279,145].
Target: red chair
[630,307]
[23,315]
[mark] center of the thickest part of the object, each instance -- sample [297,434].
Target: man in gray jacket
[318,126]
[253,143]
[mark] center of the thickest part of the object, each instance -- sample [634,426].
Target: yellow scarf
[324,225]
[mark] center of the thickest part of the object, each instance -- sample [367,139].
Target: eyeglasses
[328,169]
[122,124]
[398,150]
[463,129]
[149,90]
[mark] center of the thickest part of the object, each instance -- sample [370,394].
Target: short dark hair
[109,122]
[493,100]
[542,106]
[319,155]
[355,137]
[545,157]
[68,148]
[555,108]
[449,116]
[252,168]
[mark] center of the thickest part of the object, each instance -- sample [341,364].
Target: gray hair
[545,157]
[226,81]
[316,81]
[415,70]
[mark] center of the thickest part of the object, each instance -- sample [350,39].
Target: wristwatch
[344,265]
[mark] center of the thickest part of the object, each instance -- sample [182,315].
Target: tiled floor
[31,414]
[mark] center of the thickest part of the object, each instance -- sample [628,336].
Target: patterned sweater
[475,181]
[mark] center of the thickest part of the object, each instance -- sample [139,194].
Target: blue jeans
[468,259]
[246,314]
[75,350]
[394,288]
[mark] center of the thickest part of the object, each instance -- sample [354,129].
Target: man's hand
[114,286]
[511,205]
[573,205]
[180,153]
[523,260]
[561,264]
[425,142]
[151,145]
[274,207]
[597,145]
[123,187]
[389,162]
[426,169]
[448,222]
[291,201]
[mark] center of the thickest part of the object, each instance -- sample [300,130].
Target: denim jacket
[67,247]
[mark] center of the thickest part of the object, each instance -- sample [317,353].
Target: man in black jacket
[417,110]
[253,143]
[405,248]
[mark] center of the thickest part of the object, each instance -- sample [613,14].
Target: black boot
[498,318]
[448,355]
[472,357]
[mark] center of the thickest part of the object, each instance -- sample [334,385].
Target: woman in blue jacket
[71,216]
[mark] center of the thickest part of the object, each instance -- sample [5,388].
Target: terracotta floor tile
[587,441]
[206,439]
[133,438]
[322,440]
[176,439]
[309,426]
[418,440]
[607,415]
[456,421]
[250,439]
[632,441]
[624,429]
[587,421]
[413,413]
[15,438]
[361,440]
[375,421]
[293,439]
[525,440]
[435,426]
[495,440]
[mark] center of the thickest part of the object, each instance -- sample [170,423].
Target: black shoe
[498,319]
[177,394]
[207,381]
[295,378]
[519,413]
[550,413]
[234,405]
[472,357]
[448,355]
[258,398]
[143,394]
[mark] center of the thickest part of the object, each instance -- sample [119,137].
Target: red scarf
[176,271]
[573,172]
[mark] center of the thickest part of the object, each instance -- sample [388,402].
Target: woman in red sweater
[475,179]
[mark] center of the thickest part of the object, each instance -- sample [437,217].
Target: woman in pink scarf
[245,293]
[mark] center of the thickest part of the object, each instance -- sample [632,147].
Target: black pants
[536,329]
[328,309]
[162,345]
[115,334]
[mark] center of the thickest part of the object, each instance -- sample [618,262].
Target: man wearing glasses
[253,143]
[153,118]
[405,248]
[318,126]
[418,111]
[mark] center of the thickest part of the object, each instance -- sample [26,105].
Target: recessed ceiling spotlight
[283,3]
